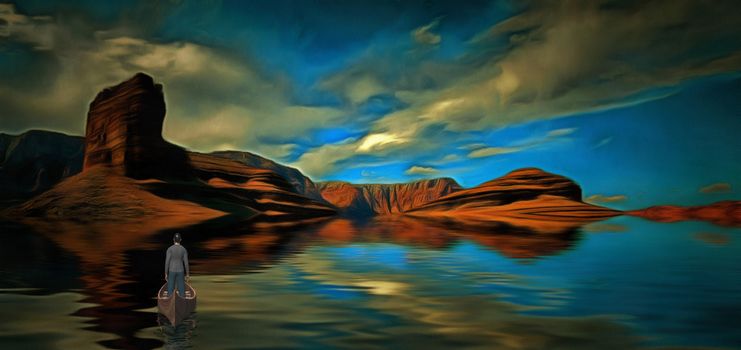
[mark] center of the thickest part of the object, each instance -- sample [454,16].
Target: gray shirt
[177,259]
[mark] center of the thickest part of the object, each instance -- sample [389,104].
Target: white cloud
[492,151]
[421,170]
[374,142]
[36,30]
[603,142]
[598,198]
[561,132]
[424,34]
[448,158]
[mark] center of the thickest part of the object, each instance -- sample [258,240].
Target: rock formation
[129,170]
[299,181]
[725,213]
[518,185]
[124,132]
[527,197]
[36,160]
[384,199]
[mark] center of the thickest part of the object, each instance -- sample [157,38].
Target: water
[620,284]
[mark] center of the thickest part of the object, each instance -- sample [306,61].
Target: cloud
[472,146]
[720,187]
[598,198]
[603,142]
[492,151]
[480,150]
[559,59]
[561,132]
[355,87]
[424,34]
[374,142]
[39,31]
[320,161]
[215,99]
[449,158]
[421,170]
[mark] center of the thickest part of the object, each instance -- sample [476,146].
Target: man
[175,264]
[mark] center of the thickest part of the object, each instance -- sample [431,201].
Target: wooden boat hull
[175,307]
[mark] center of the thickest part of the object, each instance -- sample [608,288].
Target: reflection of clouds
[400,308]
[596,227]
[41,322]
[382,287]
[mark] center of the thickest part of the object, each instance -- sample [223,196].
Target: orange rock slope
[528,197]
[725,213]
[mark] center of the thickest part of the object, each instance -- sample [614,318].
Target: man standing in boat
[176,264]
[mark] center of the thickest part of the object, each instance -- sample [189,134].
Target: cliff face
[261,189]
[124,132]
[36,160]
[384,199]
[724,213]
[299,181]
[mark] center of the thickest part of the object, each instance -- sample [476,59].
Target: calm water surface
[619,284]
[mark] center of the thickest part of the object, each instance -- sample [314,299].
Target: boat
[174,306]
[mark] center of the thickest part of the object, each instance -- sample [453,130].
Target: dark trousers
[176,278]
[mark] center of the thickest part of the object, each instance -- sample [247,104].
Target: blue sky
[636,101]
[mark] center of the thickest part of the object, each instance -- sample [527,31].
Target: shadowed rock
[36,160]
[124,131]
[299,181]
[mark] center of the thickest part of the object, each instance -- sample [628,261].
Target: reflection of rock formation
[725,213]
[511,241]
[116,288]
[718,239]
[124,131]
[120,265]
[382,199]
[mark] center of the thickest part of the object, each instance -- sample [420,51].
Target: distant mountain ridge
[124,169]
[383,199]
[300,182]
[36,160]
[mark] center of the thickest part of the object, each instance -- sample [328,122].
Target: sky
[637,101]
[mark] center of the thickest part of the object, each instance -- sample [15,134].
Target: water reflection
[177,337]
[392,282]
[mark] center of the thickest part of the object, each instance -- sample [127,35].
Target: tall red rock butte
[124,132]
